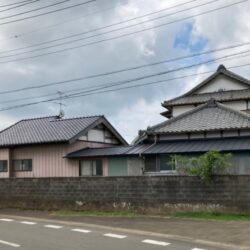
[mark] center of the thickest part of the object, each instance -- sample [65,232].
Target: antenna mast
[61,104]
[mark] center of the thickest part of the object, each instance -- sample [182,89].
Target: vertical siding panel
[4,155]
[48,159]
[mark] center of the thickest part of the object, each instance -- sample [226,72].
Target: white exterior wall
[230,133]
[178,110]
[99,135]
[173,137]
[245,132]
[197,135]
[237,105]
[221,82]
[213,135]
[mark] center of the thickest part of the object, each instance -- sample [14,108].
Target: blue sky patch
[185,40]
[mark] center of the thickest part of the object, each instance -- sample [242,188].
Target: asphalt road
[34,235]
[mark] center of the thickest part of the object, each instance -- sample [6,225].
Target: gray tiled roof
[45,130]
[207,117]
[218,96]
[168,147]
[191,97]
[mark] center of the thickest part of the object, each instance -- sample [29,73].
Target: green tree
[205,166]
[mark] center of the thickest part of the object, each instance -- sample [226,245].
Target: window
[22,165]
[151,164]
[3,166]
[159,163]
[167,163]
[91,168]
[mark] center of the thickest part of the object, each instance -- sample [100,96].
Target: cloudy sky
[171,29]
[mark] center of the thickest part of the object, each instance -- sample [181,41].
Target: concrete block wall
[163,193]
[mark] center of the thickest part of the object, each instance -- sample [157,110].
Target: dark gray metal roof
[192,146]
[211,116]
[50,129]
[108,151]
[168,147]
[220,96]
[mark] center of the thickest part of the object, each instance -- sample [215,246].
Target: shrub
[205,166]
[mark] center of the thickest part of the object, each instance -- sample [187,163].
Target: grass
[126,214]
[213,216]
[131,214]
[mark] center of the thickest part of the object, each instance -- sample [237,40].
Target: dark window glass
[91,168]
[3,166]
[167,163]
[150,164]
[22,165]
[17,165]
[99,167]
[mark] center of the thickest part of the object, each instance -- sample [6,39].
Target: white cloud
[128,110]
[137,116]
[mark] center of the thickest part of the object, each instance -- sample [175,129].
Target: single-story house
[214,115]
[36,147]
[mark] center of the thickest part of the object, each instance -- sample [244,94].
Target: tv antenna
[61,104]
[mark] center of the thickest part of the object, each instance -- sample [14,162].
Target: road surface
[31,234]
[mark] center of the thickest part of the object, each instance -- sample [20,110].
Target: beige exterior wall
[135,166]
[237,105]
[47,160]
[4,155]
[100,135]
[221,83]
[178,110]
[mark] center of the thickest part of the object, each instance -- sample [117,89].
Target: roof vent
[221,68]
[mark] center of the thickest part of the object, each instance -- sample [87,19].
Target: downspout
[140,154]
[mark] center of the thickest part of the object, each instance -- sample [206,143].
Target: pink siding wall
[4,155]
[47,160]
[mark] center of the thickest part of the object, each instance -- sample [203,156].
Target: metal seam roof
[167,147]
[45,130]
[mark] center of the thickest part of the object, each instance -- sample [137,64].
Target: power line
[117,89]
[33,10]
[151,13]
[132,68]
[105,86]
[11,4]
[58,24]
[18,6]
[122,82]
[112,38]
[47,13]
[147,84]
[114,24]
[93,88]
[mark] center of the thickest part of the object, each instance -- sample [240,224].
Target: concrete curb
[133,231]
